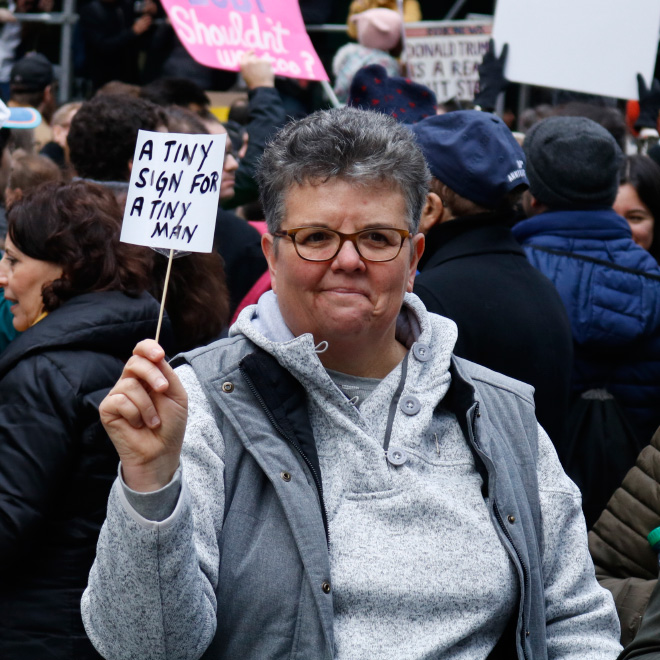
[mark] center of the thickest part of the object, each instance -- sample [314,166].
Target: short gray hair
[346,143]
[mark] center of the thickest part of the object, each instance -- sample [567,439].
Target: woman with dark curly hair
[77,295]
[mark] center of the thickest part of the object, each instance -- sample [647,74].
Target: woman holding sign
[330,481]
[76,297]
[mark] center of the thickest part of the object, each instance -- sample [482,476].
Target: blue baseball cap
[474,153]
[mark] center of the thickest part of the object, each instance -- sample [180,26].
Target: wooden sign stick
[162,300]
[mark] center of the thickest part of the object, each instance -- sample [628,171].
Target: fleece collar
[264,325]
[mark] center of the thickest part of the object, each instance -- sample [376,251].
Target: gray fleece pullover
[418,570]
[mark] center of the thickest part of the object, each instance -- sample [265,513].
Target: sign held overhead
[445,56]
[217,33]
[592,46]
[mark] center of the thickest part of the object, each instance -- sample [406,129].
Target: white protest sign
[592,46]
[173,194]
[444,55]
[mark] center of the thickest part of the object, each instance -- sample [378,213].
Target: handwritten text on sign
[173,194]
[216,33]
[444,55]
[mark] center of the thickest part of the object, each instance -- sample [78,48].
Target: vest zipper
[280,430]
[500,521]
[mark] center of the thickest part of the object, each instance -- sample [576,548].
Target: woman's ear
[270,252]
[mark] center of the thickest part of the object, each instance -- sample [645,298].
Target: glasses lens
[379,244]
[316,243]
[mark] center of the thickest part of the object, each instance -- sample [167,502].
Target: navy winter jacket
[613,303]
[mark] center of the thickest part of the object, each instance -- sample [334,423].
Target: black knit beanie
[572,162]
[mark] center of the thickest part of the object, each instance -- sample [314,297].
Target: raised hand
[142,24]
[491,77]
[649,103]
[257,72]
[145,416]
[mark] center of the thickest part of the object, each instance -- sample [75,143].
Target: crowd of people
[405,408]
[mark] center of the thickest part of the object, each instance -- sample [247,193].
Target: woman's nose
[348,257]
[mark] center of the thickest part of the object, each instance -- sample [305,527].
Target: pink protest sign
[217,32]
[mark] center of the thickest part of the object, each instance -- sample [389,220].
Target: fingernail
[155,421]
[160,382]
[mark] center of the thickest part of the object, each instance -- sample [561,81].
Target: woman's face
[346,297]
[23,279]
[630,206]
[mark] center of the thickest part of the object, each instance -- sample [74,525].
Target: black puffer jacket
[57,466]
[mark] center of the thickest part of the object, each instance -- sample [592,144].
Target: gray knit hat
[572,162]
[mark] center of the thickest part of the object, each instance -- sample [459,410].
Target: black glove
[491,77]
[649,104]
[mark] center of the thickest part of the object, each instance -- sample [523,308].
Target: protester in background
[347,488]
[609,286]
[510,317]
[58,150]
[378,33]
[32,84]
[19,119]
[77,296]
[102,137]
[265,117]
[638,200]
[13,121]
[28,171]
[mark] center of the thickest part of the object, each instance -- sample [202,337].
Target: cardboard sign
[173,194]
[444,56]
[216,33]
[593,46]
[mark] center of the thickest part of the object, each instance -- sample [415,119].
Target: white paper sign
[593,46]
[174,190]
[444,56]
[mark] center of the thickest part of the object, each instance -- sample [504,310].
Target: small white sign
[592,46]
[445,55]
[173,194]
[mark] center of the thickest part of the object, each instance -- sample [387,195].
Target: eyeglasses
[323,244]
